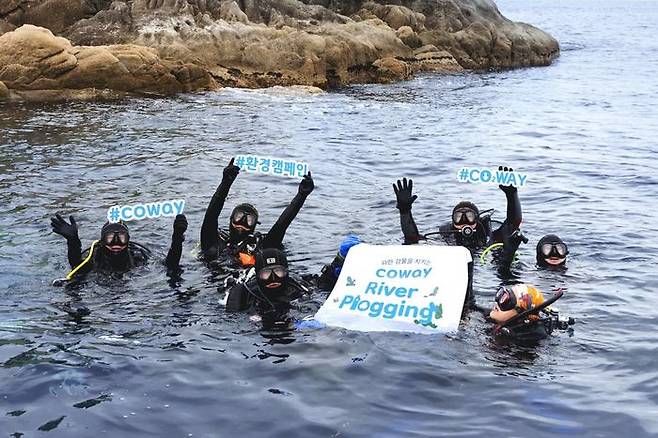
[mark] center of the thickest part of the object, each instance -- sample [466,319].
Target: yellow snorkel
[70,275]
[488,249]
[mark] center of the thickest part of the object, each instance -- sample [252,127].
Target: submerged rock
[170,46]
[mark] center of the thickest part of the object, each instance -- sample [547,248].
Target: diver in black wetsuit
[114,252]
[270,292]
[522,314]
[242,240]
[468,228]
[551,253]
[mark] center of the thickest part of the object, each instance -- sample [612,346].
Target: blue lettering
[356,302]
[153,209]
[376,309]
[179,205]
[388,291]
[405,274]
[124,213]
[139,211]
[372,286]
[512,179]
[347,299]
[501,177]
[474,178]
[401,307]
[408,311]
[390,310]
[164,209]
[377,272]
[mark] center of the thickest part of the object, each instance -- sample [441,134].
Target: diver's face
[115,242]
[501,316]
[464,218]
[554,253]
[273,276]
[243,221]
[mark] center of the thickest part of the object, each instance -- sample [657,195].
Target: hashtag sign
[113,214]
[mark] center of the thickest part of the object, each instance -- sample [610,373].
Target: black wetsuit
[483,236]
[133,256]
[217,243]
[271,305]
[103,261]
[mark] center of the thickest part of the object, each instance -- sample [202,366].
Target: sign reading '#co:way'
[411,288]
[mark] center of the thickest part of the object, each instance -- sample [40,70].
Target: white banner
[410,288]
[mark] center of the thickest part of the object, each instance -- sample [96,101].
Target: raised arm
[403,193]
[514,216]
[274,238]
[209,229]
[70,233]
[177,238]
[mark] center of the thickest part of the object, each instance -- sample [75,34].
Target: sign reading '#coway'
[411,288]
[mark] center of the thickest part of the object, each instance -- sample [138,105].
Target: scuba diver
[468,227]
[552,252]
[242,239]
[522,313]
[330,272]
[269,292]
[114,252]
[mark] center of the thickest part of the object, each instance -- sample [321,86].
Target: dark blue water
[152,360]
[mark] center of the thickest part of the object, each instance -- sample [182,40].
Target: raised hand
[180,226]
[230,172]
[507,189]
[306,186]
[61,227]
[404,194]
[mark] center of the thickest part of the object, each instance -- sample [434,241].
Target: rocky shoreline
[88,49]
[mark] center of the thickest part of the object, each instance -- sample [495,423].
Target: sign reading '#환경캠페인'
[407,288]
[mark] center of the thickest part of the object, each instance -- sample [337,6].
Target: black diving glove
[306,186]
[508,190]
[180,226]
[230,172]
[403,192]
[61,227]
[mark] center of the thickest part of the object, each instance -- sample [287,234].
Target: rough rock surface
[104,47]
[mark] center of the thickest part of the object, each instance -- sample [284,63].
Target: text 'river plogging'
[375,308]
